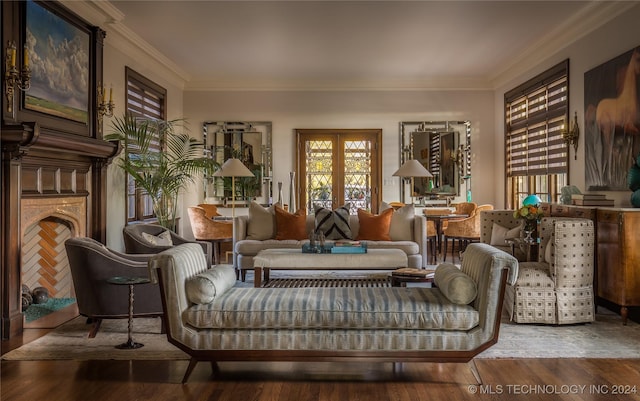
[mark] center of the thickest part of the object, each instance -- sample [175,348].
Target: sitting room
[449,193]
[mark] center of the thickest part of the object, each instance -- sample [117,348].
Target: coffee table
[293,259]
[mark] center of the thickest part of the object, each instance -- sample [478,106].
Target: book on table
[593,202]
[588,196]
[413,272]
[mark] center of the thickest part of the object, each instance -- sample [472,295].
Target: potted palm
[161,161]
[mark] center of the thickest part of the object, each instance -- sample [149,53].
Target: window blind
[536,113]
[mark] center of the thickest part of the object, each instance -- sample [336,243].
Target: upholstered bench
[295,259]
[210,318]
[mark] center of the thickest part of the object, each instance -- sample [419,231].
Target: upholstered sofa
[212,319]
[252,233]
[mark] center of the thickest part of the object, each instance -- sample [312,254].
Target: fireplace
[46,224]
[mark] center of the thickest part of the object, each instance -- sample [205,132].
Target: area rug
[604,338]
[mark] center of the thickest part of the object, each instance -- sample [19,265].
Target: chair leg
[444,254]
[96,326]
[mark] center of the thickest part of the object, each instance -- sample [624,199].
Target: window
[338,167]
[144,99]
[536,113]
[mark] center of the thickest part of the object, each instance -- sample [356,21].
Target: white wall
[114,74]
[609,41]
[353,109]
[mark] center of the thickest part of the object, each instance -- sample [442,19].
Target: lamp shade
[233,168]
[412,168]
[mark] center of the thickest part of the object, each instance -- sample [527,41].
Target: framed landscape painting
[59,54]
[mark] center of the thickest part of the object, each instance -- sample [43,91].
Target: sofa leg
[215,369]
[474,370]
[192,364]
[95,327]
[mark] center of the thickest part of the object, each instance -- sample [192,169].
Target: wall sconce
[12,77]
[570,136]
[105,109]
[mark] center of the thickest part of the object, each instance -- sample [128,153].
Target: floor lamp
[412,168]
[233,168]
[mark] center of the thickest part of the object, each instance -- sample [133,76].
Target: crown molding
[108,17]
[586,20]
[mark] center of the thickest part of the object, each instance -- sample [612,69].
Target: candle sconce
[12,77]
[105,109]
[570,135]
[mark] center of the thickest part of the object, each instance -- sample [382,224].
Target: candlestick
[111,94]
[13,57]
[104,95]
[26,57]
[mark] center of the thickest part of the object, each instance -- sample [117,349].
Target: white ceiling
[354,44]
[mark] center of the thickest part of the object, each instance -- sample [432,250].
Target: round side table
[131,282]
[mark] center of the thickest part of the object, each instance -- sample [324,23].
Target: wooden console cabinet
[618,250]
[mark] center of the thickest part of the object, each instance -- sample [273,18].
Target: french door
[338,167]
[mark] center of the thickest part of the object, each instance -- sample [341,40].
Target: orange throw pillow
[374,227]
[291,225]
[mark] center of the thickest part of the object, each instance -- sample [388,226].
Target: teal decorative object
[531,200]
[635,198]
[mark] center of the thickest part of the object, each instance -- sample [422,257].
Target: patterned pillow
[162,239]
[334,224]
[374,227]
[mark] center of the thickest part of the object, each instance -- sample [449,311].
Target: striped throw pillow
[334,224]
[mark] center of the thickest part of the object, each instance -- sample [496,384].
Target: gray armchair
[92,264]
[135,243]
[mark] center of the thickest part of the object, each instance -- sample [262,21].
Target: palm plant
[161,161]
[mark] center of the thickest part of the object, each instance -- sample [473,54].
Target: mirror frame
[220,138]
[460,156]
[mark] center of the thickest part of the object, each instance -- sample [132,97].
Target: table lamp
[412,168]
[233,168]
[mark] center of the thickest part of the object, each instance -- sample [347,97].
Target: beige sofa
[411,237]
[210,318]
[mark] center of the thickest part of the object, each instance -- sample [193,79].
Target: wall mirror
[443,148]
[249,141]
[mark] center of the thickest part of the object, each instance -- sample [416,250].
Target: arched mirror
[443,148]
[249,141]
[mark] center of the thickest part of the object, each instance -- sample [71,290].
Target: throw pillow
[454,284]
[262,222]
[401,228]
[547,253]
[290,225]
[162,239]
[334,224]
[499,234]
[204,287]
[374,227]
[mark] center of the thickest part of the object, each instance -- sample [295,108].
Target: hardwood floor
[504,379]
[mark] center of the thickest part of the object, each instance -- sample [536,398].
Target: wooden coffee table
[293,259]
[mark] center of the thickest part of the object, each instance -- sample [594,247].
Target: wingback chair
[214,231]
[91,265]
[134,241]
[465,230]
[558,288]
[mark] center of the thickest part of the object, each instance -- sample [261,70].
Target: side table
[530,249]
[130,281]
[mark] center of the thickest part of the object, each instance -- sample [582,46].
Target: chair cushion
[454,284]
[534,274]
[204,287]
[374,227]
[291,225]
[334,224]
[163,239]
[262,222]
[499,234]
